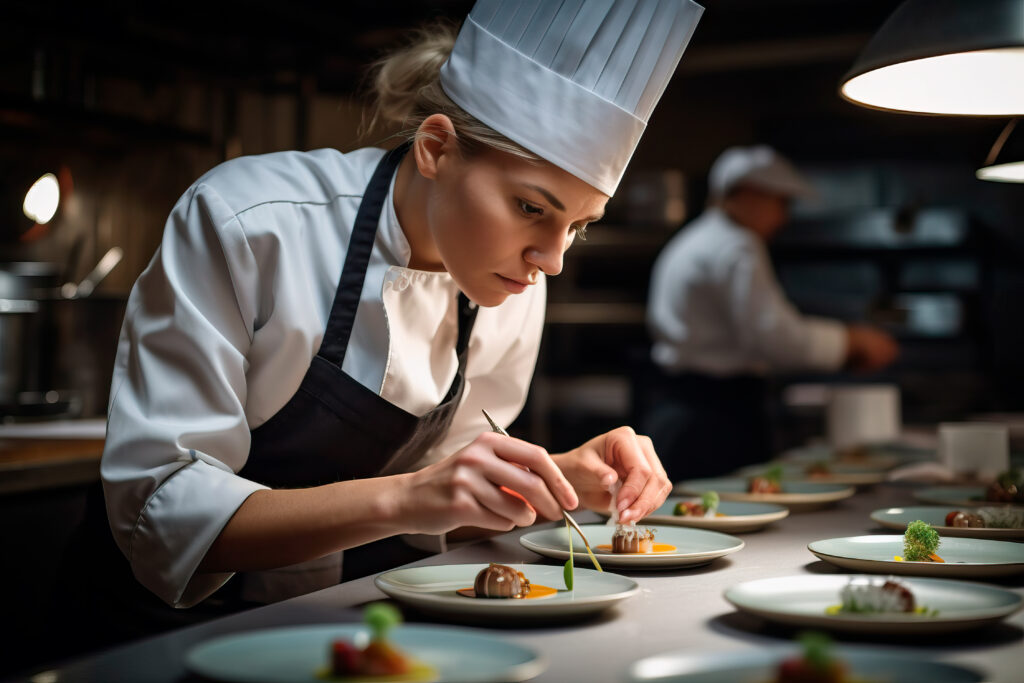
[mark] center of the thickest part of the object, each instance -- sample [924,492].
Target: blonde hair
[406,89]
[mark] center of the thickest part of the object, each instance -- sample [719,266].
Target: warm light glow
[1003,173]
[981,83]
[41,199]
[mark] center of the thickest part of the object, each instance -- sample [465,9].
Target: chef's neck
[411,194]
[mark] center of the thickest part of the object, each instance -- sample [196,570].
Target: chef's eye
[581,231]
[528,209]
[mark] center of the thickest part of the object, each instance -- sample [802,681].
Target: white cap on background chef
[719,318]
[303,364]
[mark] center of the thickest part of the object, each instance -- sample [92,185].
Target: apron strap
[360,246]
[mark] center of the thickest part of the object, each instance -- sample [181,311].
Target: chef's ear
[435,138]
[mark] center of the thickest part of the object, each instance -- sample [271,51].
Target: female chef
[303,364]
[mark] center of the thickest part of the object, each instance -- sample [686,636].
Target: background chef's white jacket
[222,325]
[715,307]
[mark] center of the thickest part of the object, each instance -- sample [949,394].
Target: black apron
[706,426]
[332,429]
[300,445]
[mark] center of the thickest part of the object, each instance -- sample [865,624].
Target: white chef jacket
[222,325]
[715,307]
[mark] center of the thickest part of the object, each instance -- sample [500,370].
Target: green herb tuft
[774,473]
[381,617]
[1010,477]
[709,500]
[919,541]
[817,649]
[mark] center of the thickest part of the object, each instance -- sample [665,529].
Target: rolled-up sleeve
[768,326]
[177,430]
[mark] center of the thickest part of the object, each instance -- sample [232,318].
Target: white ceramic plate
[693,547]
[839,473]
[802,600]
[296,654]
[899,518]
[798,496]
[432,590]
[760,666]
[964,557]
[738,517]
[955,495]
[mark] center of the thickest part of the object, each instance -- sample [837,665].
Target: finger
[539,463]
[655,491]
[507,505]
[626,455]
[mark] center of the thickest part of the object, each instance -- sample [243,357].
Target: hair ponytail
[406,89]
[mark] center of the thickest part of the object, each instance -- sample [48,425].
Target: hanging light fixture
[1011,168]
[949,57]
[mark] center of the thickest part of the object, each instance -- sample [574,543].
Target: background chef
[720,321]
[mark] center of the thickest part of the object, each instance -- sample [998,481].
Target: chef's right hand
[465,489]
[869,349]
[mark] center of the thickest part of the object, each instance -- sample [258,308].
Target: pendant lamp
[945,57]
[1010,167]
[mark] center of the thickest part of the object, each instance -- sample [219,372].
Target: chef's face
[764,212]
[498,220]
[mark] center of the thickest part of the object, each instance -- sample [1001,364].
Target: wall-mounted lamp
[950,57]
[1011,168]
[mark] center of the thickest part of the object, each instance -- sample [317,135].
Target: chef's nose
[548,259]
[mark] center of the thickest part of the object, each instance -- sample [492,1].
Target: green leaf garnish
[381,617]
[817,648]
[567,570]
[709,500]
[774,473]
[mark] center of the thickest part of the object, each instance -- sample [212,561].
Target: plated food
[1002,522]
[823,471]
[300,654]
[963,557]
[874,605]
[765,665]
[691,547]
[378,659]
[729,517]
[440,590]
[798,496]
[1006,490]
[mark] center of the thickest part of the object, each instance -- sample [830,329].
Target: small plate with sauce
[673,547]
[445,590]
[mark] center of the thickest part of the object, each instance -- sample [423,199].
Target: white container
[861,415]
[977,448]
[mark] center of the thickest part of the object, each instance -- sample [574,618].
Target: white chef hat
[759,166]
[573,81]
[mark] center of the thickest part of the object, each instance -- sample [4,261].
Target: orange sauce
[658,548]
[536,591]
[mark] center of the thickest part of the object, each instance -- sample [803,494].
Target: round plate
[761,665]
[738,517]
[899,518]
[693,547]
[296,654]
[432,590]
[964,557]
[798,496]
[955,495]
[839,473]
[802,601]
[871,459]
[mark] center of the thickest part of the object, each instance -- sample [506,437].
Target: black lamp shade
[947,57]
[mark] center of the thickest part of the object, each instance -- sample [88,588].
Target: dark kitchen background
[128,103]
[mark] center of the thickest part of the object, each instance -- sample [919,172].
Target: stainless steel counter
[675,610]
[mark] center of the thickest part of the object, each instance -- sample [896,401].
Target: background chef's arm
[768,326]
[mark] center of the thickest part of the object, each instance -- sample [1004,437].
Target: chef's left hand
[622,455]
